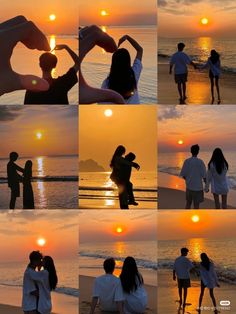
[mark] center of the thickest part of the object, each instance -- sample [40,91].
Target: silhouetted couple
[121,173]
[14,179]
[123,295]
[194,173]
[181,60]
[181,270]
[40,278]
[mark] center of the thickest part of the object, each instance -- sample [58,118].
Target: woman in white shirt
[208,280]
[133,287]
[213,63]
[217,178]
[46,281]
[123,77]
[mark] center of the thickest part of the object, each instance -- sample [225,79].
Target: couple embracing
[14,179]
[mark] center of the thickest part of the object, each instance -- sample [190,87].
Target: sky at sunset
[123,12]
[209,126]
[66,13]
[131,126]
[135,226]
[38,130]
[181,18]
[210,224]
[19,232]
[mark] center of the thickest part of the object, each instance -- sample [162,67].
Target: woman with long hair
[133,287]
[124,77]
[208,280]
[217,178]
[117,162]
[46,281]
[213,63]
[28,194]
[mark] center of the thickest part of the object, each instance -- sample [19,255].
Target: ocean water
[171,163]
[25,61]
[55,182]
[221,251]
[98,185]
[11,274]
[199,49]
[92,255]
[96,66]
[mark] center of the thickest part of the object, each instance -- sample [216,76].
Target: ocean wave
[143,263]
[170,170]
[48,179]
[225,274]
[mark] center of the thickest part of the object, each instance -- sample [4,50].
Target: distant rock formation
[90,165]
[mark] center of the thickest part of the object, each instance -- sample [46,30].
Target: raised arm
[134,43]
[73,55]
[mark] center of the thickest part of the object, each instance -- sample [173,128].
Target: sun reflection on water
[196,247]
[41,184]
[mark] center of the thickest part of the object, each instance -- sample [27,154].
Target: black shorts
[181,78]
[194,196]
[184,283]
[211,75]
[15,190]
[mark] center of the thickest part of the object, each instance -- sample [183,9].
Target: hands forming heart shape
[15,30]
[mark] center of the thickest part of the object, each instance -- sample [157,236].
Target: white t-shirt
[219,182]
[42,280]
[180,60]
[109,291]
[135,302]
[182,267]
[137,68]
[29,301]
[209,277]
[194,171]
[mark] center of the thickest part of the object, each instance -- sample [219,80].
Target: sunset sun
[39,135]
[180,142]
[41,241]
[104,13]
[108,112]
[119,230]
[204,21]
[195,218]
[52,17]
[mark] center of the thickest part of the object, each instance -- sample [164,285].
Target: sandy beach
[10,302]
[171,194]
[198,87]
[86,286]
[168,294]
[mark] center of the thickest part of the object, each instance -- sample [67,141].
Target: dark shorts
[181,78]
[211,75]
[184,283]
[194,196]
[15,190]
[31,312]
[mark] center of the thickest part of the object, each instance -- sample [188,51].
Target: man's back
[109,291]
[29,301]
[194,171]
[12,175]
[57,92]
[180,59]
[182,267]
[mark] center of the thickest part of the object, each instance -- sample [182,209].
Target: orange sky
[175,224]
[208,126]
[180,18]
[136,225]
[20,230]
[122,12]
[57,124]
[39,11]
[131,126]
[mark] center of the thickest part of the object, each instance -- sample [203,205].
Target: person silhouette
[58,87]
[28,194]
[14,178]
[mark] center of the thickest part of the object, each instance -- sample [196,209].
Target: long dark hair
[206,262]
[130,277]
[218,160]
[214,56]
[48,264]
[121,78]
[120,150]
[28,169]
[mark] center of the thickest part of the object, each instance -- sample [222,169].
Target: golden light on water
[104,29]
[108,113]
[52,43]
[41,241]
[204,21]
[195,218]
[52,17]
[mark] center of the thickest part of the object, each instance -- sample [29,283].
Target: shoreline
[198,86]
[85,296]
[171,194]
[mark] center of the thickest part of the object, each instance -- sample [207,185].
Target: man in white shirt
[108,290]
[194,174]
[180,61]
[30,291]
[182,267]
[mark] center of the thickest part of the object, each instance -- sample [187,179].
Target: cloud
[9,113]
[169,112]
